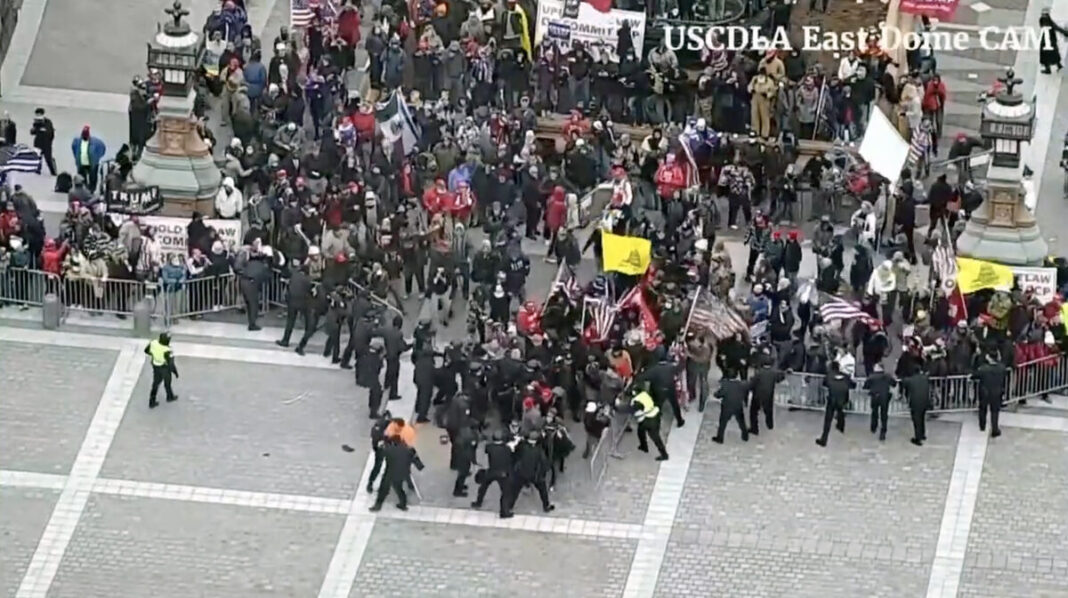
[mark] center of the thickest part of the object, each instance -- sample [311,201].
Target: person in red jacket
[576,126]
[555,218]
[463,202]
[437,197]
[348,26]
[52,257]
[934,103]
[363,120]
[670,178]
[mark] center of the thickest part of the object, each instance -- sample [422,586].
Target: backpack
[64,182]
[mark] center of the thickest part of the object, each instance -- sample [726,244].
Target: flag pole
[553,289]
[819,110]
[693,306]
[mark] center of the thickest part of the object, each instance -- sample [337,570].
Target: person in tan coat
[773,65]
[763,90]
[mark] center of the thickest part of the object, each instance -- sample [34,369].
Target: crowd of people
[357,217]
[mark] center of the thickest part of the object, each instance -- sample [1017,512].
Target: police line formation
[341,208]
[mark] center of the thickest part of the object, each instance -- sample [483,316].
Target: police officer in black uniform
[762,385]
[660,377]
[368,369]
[878,385]
[362,323]
[336,312]
[44,133]
[838,386]
[499,463]
[531,467]
[251,280]
[732,393]
[395,345]
[423,376]
[464,447]
[991,376]
[316,309]
[917,388]
[298,302]
[378,439]
[399,459]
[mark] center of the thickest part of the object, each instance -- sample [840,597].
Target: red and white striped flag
[567,283]
[601,314]
[711,314]
[837,308]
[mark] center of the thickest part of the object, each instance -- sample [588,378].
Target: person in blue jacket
[88,152]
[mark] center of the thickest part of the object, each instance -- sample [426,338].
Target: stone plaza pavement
[241,488]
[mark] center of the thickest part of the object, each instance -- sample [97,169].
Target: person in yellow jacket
[159,351]
[763,90]
[648,416]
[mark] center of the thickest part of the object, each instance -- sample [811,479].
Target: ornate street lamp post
[176,159]
[1003,229]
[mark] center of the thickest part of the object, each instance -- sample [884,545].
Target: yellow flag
[629,255]
[974,275]
[1064,316]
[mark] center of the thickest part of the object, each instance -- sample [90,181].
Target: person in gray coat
[454,70]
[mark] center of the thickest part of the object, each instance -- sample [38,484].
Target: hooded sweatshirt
[228,201]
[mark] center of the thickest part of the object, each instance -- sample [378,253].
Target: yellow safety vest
[159,353]
[84,161]
[647,407]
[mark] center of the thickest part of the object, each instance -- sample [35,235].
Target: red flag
[635,298]
[528,320]
[958,308]
[600,5]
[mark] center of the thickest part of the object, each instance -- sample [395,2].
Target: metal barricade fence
[101,295]
[169,301]
[273,293]
[953,393]
[199,296]
[1037,378]
[948,393]
[20,286]
[608,446]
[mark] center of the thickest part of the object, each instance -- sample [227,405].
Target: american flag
[920,144]
[836,308]
[19,158]
[302,11]
[602,314]
[693,177]
[711,314]
[677,352]
[567,283]
[944,259]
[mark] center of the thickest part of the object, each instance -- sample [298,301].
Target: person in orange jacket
[398,428]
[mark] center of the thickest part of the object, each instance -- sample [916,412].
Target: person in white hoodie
[228,201]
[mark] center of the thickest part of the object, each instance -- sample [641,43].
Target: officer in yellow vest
[163,366]
[648,416]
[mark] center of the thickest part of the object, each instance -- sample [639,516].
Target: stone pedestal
[178,162]
[1003,230]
